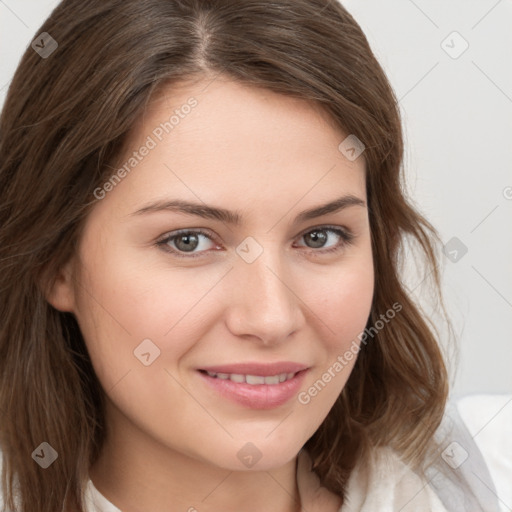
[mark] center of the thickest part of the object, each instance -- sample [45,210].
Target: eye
[324,238]
[183,243]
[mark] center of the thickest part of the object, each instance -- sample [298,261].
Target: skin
[171,439]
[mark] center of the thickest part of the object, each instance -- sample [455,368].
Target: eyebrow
[235,217]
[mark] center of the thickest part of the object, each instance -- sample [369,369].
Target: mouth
[255,386]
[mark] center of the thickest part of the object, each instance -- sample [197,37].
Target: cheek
[137,327]
[121,294]
[341,299]
[341,303]
[351,303]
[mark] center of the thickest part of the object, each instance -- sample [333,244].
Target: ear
[61,293]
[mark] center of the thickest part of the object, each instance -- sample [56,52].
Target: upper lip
[261,369]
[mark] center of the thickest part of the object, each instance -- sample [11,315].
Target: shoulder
[386,483]
[455,476]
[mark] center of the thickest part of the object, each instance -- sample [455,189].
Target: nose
[263,305]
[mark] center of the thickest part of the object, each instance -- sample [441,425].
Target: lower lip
[259,396]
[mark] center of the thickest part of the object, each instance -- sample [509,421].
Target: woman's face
[280,291]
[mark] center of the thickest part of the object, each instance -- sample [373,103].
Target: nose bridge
[263,302]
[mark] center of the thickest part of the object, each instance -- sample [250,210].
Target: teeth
[253,379]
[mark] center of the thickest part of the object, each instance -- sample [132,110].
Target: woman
[202,220]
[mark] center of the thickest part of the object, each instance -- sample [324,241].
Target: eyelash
[346,236]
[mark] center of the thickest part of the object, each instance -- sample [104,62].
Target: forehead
[223,141]
[236,109]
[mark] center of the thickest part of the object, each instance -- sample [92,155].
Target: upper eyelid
[326,227]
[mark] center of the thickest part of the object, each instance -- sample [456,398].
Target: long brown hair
[64,121]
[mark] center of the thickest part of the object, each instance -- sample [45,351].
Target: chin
[258,455]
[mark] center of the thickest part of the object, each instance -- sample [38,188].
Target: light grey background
[457,112]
